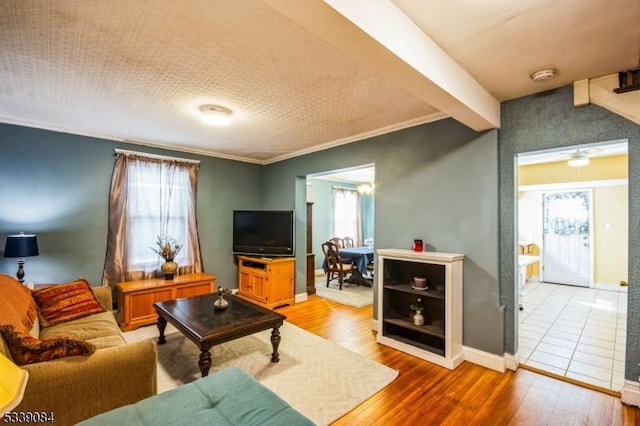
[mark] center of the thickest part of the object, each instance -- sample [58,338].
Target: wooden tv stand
[266,282]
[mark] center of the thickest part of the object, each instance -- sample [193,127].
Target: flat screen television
[263,232]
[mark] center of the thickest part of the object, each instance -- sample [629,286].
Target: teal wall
[437,182]
[57,185]
[367,205]
[441,182]
[549,120]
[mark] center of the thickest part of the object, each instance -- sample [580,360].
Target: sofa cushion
[26,349]
[66,302]
[227,397]
[19,308]
[100,329]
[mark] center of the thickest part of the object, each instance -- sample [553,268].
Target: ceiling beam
[379,35]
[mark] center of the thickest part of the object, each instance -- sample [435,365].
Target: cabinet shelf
[440,339]
[266,282]
[431,330]
[434,294]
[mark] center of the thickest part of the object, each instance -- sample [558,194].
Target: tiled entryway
[575,332]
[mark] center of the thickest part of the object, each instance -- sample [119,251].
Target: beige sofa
[75,388]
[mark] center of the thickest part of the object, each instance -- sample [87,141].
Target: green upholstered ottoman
[228,397]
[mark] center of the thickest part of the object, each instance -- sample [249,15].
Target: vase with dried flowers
[168,248]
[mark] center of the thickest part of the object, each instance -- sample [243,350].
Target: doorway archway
[320,193]
[577,334]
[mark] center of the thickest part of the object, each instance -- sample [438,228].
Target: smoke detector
[543,74]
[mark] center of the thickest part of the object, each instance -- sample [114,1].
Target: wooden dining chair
[334,263]
[338,241]
[348,242]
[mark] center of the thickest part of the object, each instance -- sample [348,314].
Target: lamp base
[20,273]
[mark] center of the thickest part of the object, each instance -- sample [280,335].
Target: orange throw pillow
[18,307]
[66,302]
[26,349]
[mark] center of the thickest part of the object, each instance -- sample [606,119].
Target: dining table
[361,256]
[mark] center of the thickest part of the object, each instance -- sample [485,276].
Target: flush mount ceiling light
[578,160]
[543,74]
[215,115]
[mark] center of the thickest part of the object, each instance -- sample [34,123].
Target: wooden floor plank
[427,394]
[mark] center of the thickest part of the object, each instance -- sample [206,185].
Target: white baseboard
[610,287]
[302,297]
[630,394]
[485,359]
[375,325]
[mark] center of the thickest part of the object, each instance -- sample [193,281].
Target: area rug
[351,294]
[322,380]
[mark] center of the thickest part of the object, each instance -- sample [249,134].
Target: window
[158,207]
[151,197]
[346,214]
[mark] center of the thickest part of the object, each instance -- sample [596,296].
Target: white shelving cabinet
[439,339]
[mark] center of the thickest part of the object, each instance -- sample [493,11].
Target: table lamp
[13,381]
[21,246]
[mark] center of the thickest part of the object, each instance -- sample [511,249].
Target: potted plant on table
[168,248]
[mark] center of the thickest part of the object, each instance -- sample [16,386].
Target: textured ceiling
[138,70]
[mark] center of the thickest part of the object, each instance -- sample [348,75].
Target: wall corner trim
[485,359]
[512,362]
[302,297]
[630,394]
[581,93]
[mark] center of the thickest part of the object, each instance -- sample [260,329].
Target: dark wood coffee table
[196,318]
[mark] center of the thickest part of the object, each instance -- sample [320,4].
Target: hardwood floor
[426,394]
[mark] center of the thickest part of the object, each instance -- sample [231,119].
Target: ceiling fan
[579,157]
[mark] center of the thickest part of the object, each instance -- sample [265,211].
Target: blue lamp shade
[23,245]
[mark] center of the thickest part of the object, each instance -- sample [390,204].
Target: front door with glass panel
[567,237]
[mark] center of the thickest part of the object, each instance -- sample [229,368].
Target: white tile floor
[575,332]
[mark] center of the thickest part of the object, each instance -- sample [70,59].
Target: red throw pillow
[26,349]
[66,302]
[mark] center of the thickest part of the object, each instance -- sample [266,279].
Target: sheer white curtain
[347,214]
[150,198]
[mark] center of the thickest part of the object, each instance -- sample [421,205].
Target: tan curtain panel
[150,198]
